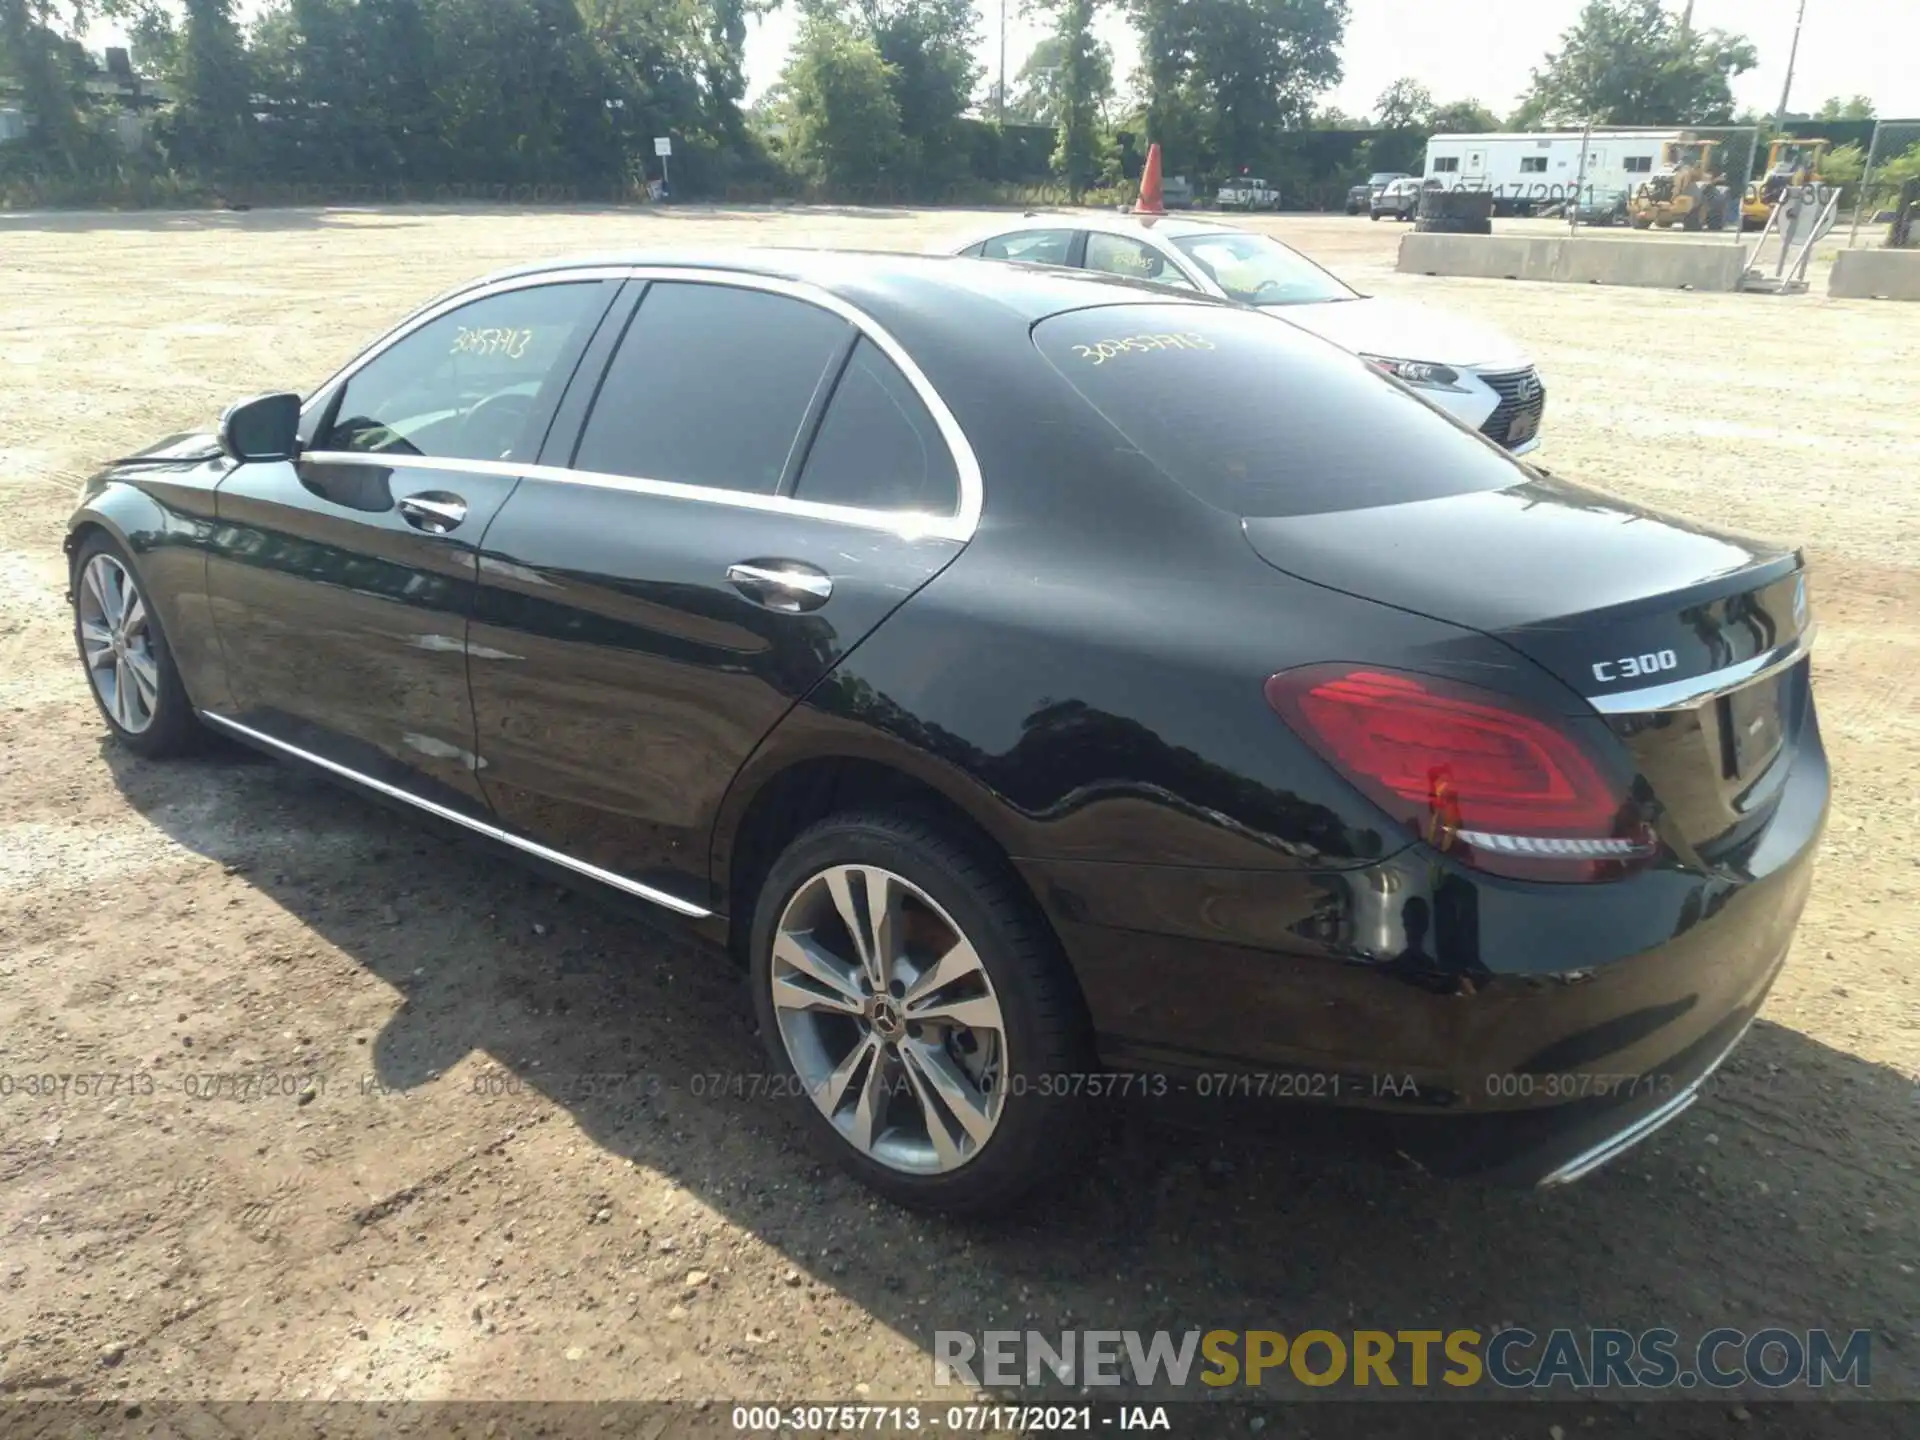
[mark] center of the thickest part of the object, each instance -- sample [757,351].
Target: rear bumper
[1523,1032]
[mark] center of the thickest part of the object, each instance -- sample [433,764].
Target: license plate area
[1752,726]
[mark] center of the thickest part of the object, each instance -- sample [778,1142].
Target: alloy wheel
[889,1019]
[116,643]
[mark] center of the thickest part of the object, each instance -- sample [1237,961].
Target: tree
[1084,83]
[1332,117]
[845,123]
[1404,105]
[1860,107]
[1630,62]
[37,54]
[928,47]
[1463,117]
[1224,77]
[213,117]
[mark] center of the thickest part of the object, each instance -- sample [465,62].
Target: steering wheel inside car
[493,426]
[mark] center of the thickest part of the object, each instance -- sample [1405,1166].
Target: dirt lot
[462,1203]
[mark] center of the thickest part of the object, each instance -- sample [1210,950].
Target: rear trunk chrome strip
[492,832]
[1588,1161]
[1685,694]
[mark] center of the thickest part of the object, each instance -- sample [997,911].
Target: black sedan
[1046,686]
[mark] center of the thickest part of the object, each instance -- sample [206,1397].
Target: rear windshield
[1259,418]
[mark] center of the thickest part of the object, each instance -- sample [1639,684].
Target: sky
[1486,49]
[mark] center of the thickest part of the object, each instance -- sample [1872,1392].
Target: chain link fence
[1891,161]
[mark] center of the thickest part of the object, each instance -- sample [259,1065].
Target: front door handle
[788,586]
[434,511]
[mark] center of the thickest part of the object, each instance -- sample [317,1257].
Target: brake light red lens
[1466,771]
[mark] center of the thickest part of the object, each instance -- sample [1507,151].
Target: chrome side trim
[1588,1161]
[958,526]
[492,832]
[1685,694]
[908,524]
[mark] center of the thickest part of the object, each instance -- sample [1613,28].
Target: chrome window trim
[906,524]
[1685,694]
[959,526]
[492,832]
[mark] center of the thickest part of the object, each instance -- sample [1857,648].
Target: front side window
[465,384]
[877,447]
[1036,247]
[1257,270]
[711,386]
[1123,255]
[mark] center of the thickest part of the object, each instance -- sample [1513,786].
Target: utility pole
[1000,103]
[1780,117]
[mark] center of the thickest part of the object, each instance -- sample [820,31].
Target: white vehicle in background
[1471,371]
[1247,193]
[1527,172]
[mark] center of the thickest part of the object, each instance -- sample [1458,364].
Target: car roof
[883,280]
[1171,227]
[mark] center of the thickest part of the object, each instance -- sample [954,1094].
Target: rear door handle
[789,586]
[434,511]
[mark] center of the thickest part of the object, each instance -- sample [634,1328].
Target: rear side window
[1036,247]
[710,386]
[877,447]
[1258,418]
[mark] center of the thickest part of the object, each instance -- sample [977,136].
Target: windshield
[1259,271]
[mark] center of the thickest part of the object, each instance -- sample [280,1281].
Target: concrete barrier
[1660,264]
[1876,275]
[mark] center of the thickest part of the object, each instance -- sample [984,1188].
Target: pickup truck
[1247,193]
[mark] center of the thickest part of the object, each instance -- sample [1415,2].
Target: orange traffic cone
[1150,202]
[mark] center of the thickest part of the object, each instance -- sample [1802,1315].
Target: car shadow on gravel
[1786,1197]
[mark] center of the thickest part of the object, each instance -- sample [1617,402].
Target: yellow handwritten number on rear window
[1102,351]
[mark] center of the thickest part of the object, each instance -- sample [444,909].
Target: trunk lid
[1688,640]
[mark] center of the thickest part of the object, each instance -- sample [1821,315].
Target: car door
[760,480]
[340,582]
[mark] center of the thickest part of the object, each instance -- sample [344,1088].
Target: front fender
[162,514]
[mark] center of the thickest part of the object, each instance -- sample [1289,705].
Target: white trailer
[1527,171]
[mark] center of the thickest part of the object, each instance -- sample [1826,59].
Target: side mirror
[263,428]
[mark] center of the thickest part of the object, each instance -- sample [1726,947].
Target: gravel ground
[428,1182]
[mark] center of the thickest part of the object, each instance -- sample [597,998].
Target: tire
[1374,215]
[115,623]
[1038,1133]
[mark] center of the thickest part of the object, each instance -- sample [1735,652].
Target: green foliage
[845,122]
[1463,117]
[1081,84]
[1860,107]
[1224,77]
[1630,62]
[1404,105]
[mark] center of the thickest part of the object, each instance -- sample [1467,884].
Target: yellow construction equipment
[1686,190]
[1790,164]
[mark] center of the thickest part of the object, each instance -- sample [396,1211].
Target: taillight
[1468,772]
